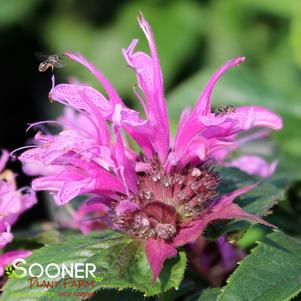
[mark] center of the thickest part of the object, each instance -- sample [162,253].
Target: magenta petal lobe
[157,251]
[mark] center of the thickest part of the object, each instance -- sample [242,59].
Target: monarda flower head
[165,195]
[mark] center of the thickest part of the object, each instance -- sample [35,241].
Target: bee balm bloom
[13,202]
[164,196]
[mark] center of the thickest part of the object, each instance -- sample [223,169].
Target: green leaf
[209,294]
[259,201]
[262,198]
[270,273]
[120,261]
[32,239]
[40,237]
[114,295]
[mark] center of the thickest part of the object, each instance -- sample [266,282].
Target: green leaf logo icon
[10,273]
[98,278]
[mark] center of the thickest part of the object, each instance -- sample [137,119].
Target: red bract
[164,196]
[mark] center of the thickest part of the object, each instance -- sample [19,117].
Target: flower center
[166,200]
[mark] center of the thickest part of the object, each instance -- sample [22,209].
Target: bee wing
[41,56]
[59,64]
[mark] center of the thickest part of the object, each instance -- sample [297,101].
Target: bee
[223,110]
[49,61]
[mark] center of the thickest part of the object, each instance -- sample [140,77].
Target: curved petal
[188,128]
[70,93]
[242,119]
[254,165]
[226,126]
[157,251]
[125,167]
[85,98]
[150,81]
[222,209]
[190,233]
[112,93]
[74,181]
[203,104]
[203,149]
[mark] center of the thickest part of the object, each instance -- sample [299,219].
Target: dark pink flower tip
[238,60]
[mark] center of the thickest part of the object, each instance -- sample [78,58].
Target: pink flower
[167,194]
[13,202]
[214,260]
[86,217]
[251,164]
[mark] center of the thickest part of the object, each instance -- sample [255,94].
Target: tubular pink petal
[261,134]
[157,251]
[70,190]
[142,101]
[233,211]
[190,233]
[229,198]
[112,93]
[70,93]
[149,77]
[255,116]
[203,104]
[191,126]
[242,119]
[202,148]
[157,74]
[88,99]
[73,181]
[186,130]
[254,165]
[128,176]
